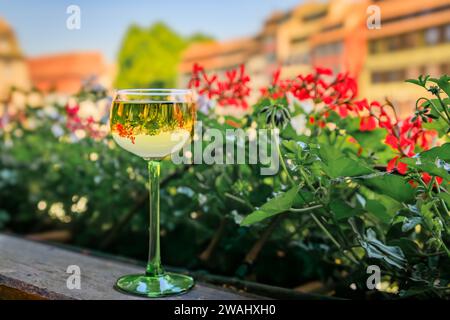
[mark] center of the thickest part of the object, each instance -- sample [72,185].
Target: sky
[41,25]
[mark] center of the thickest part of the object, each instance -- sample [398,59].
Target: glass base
[167,284]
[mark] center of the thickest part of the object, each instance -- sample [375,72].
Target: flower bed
[358,187]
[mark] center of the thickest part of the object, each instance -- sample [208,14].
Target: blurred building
[65,73]
[217,56]
[414,39]
[295,34]
[13,67]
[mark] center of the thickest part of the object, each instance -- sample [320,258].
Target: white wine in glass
[153,124]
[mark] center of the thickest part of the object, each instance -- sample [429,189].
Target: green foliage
[438,107]
[149,57]
[279,204]
[329,212]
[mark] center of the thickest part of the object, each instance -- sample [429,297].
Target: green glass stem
[155,283]
[154,267]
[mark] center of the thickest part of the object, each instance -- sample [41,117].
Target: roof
[65,72]
[4,26]
[213,54]
[7,33]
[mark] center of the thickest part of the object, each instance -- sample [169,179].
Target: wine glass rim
[154,92]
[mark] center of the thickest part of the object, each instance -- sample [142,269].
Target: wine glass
[152,124]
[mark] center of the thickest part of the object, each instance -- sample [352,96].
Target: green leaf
[411,223]
[336,164]
[409,247]
[378,210]
[328,154]
[345,167]
[413,81]
[371,140]
[421,81]
[393,186]
[376,249]
[444,83]
[281,203]
[445,197]
[442,153]
[433,161]
[436,168]
[342,210]
[302,198]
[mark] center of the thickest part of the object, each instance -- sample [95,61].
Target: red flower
[362,105]
[392,141]
[426,177]
[401,167]
[75,122]
[72,111]
[234,90]
[324,71]
[367,123]
[276,77]
[343,111]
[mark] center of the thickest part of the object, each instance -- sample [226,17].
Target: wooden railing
[33,270]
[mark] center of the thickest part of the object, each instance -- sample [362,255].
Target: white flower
[299,123]
[205,104]
[57,130]
[34,99]
[88,109]
[51,112]
[307,105]
[62,100]
[18,100]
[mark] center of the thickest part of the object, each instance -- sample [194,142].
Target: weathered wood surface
[32,270]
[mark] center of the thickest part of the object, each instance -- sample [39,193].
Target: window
[394,43]
[300,58]
[328,49]
[299,40]
[410,40]
[332,27]
[373,46]
[388,76]
[447,33]
[432,36]
[314,16]
[415,39]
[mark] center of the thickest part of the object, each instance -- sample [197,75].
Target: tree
[149,58]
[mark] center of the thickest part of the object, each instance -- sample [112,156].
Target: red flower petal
[324,71]
[367,124]
[426,177]
[402,168]
[391,165]
[392,141]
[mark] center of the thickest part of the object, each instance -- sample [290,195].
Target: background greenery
[149,57]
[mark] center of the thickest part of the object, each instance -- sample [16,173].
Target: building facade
[13,67]
[413,38]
